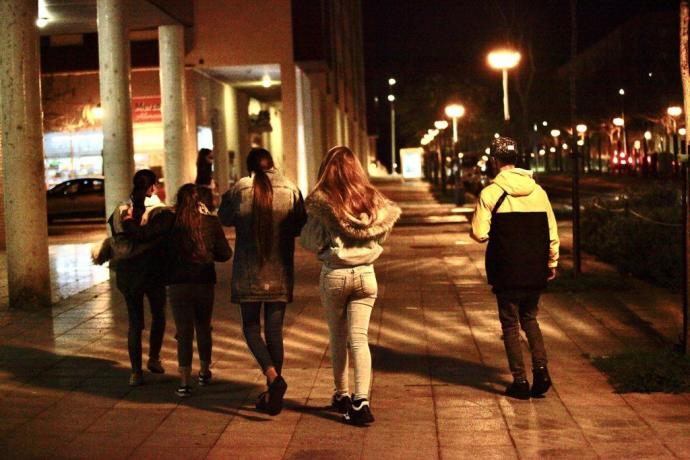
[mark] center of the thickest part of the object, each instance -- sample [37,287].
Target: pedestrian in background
[348,222]
[138,276]
[515,216]
[267,212]
[204,177]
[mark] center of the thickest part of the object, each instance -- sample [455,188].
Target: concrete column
[26,224]
[116,100]
[242,112]
[172,78]
[289,94]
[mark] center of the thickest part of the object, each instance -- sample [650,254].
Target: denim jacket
[272,281]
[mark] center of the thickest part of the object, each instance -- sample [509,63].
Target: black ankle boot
[519,389]
[541,382]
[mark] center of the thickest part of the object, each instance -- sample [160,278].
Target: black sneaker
[542,381]
[276,391]
[519,389]
[205,379]
[341,403]
[359,413]
[184,391]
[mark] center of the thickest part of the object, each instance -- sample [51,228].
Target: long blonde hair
[346,186]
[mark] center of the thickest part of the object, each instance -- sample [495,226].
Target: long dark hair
[258,162]
[187,226]
[142,181]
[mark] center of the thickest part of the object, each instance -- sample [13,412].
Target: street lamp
[391,99]
[455,111]
[674,112]
[504,60]
[555,133]
[441,124]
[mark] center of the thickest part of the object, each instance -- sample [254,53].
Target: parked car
[83,197]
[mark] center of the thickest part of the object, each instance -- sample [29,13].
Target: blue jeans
[348,296]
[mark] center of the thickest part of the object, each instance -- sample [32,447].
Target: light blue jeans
[348,295]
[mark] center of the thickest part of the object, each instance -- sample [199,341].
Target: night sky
[414,39]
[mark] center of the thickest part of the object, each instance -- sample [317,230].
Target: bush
[646,372]
[645,249]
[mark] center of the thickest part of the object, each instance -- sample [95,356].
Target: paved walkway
[439,370]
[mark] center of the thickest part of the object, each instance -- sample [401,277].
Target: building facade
[129,85]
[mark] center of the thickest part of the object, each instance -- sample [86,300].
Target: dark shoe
[136,379]
[519,389]
[155,366]
[341,403]
[205,379]
[184,391]
[541,382]
[261,404]
[276,391]
[359,413]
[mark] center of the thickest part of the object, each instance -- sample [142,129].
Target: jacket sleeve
[481,220]
[299,213]
[159,225]
[227,212]
[314,235]
[554,241]
[221,249]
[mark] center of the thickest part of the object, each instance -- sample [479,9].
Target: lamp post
[455,111]
[555,133]
[674,112]
[391,99]
[504,60]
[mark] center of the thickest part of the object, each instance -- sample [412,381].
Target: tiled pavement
[439,368]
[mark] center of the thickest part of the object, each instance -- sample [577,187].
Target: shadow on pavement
[447,369]
[106,378]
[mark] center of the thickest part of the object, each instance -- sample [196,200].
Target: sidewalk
[439,370]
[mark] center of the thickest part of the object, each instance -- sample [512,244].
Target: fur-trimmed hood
[353,228]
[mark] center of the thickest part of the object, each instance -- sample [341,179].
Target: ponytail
[258,162]
[142,181]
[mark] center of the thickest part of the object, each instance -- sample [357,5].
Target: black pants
[519,310]
[192,307]
[135,310]
[269,353]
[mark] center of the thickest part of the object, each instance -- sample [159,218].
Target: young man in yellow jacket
[514,215]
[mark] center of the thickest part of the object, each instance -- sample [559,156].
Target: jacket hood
[516,181]
[354,228]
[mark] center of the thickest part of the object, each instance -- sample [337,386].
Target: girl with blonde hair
[348,221]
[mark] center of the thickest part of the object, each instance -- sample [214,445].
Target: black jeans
[135,310]
[520,310]
[269,353]
[192,307]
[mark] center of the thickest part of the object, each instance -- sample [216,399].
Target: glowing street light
[441,124]
[504,60]
[648,135]
[581,128]
[455,111]
[618,121]
[555,133]
[674,111]
[682,131]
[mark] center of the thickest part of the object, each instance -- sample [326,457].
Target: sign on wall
[146,109]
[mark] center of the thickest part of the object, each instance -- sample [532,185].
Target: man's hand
[552,273]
